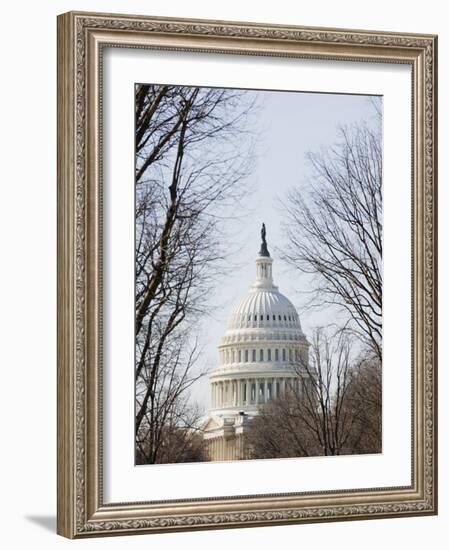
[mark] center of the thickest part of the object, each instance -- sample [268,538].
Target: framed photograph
[246,274]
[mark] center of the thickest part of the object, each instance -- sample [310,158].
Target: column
[283,387]
[247,392]
[257,391]
[265,389]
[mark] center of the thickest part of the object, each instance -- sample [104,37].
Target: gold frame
[81,37]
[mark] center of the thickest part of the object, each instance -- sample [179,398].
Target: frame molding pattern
[80,508]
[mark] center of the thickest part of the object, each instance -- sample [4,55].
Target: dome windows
[260,354]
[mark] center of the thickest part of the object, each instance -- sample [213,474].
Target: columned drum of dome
[262,354]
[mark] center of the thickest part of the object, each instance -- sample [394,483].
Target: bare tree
[278,431]
[326,414]
[190,155]
[334,229]
[364,404]
[179,439]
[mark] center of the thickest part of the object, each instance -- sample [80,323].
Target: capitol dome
[263,351]
[264,307]
[263,355]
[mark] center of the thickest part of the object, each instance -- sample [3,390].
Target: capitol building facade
[262,355]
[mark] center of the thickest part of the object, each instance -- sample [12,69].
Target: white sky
[289,124]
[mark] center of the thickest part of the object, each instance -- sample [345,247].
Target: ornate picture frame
[82,39]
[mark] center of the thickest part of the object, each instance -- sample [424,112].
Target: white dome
[264,308]
[263,349]
[263,356]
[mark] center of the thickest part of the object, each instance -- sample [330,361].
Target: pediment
[212,423]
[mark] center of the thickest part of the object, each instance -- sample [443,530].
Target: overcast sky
[289,124]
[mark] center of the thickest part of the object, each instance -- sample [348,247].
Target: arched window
[284,358]
[254,355]
[269,355]
[233,356]
[290,355]
[240,355]
[246,356]
[276,355]
[280,318]
[268,317]
[261,355]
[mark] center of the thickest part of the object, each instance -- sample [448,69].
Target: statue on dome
[263,249]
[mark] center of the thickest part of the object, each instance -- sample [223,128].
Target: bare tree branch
[335,410]
[334,229]
[192,151]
